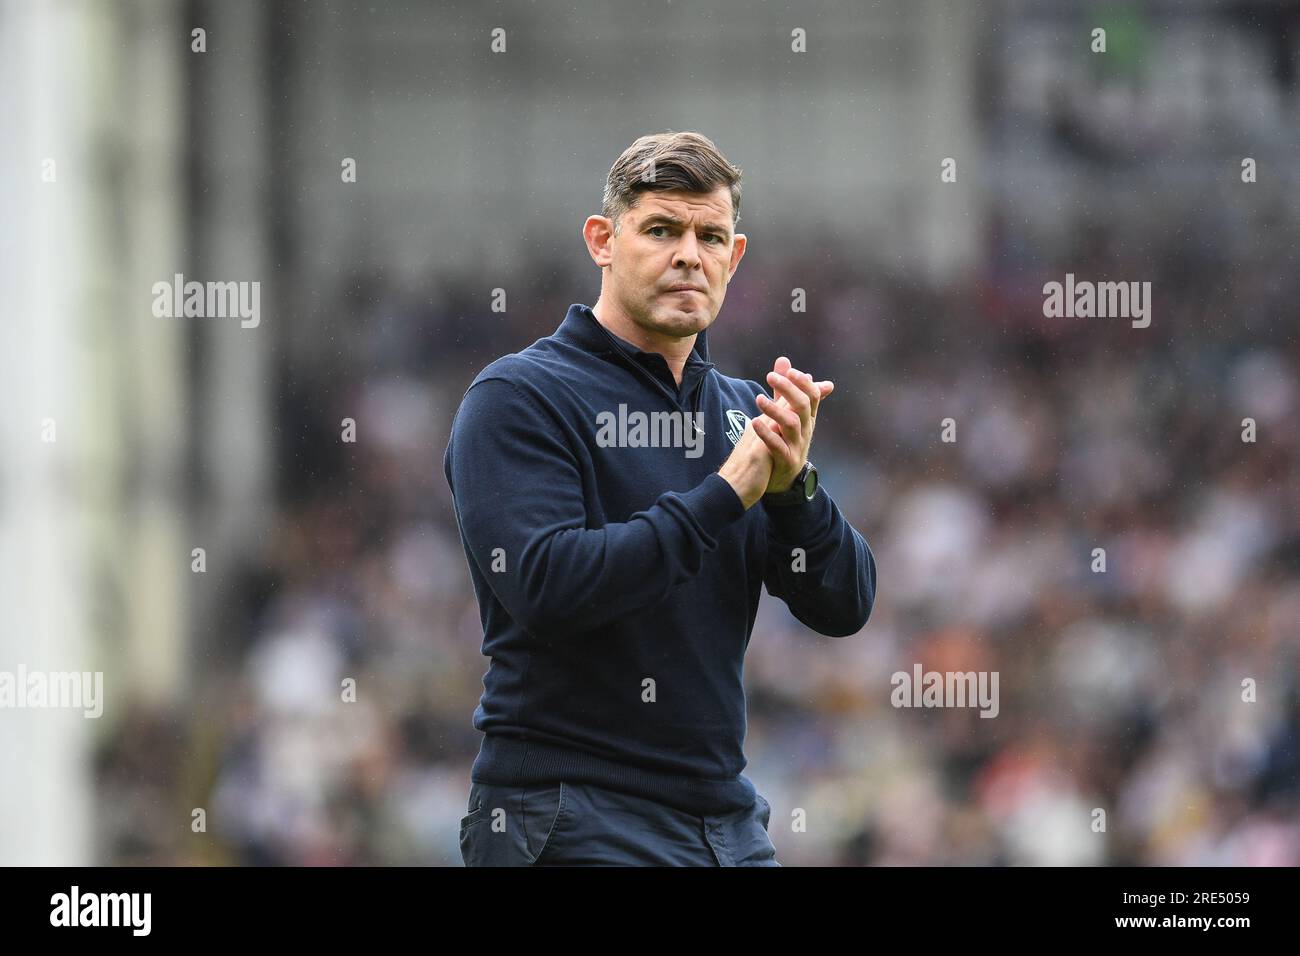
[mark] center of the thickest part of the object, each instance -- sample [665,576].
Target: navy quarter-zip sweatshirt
[618,583]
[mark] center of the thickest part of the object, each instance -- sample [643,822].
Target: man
[605,481]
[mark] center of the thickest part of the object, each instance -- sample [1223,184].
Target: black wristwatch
[803,489]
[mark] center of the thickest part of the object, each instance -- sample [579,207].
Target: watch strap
[795,494]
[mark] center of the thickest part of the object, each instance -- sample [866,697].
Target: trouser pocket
[543,811]
[748,838]
[511,826]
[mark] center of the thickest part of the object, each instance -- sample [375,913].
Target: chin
[684,321]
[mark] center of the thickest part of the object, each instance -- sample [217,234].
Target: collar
[581,328]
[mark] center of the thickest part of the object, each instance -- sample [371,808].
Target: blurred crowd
[1149,712]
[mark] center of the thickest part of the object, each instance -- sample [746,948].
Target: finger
[768,431]
[807,386]
[816,391]
[788,396]
[750,434]
[795,396]
[825,388]
[783,415]
[781,366]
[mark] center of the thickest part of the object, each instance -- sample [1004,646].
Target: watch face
[810,482]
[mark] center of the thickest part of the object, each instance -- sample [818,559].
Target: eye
[652,229]
[713,235]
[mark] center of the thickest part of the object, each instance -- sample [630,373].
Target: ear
[737,253]
[598,233]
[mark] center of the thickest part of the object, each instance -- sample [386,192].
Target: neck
[674,350]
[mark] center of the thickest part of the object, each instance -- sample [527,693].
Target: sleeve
[517,486]
[831,586]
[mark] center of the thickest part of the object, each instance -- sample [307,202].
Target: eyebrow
[666,219]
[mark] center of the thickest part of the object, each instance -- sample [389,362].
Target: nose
[687,253]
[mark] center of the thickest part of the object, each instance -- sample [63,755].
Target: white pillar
[89,562]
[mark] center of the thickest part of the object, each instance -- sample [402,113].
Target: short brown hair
[668,160]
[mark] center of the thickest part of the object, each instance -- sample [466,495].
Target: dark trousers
[577,824]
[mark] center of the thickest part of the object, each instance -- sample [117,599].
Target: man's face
[672,258]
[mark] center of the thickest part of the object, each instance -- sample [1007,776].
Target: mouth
[683,288]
